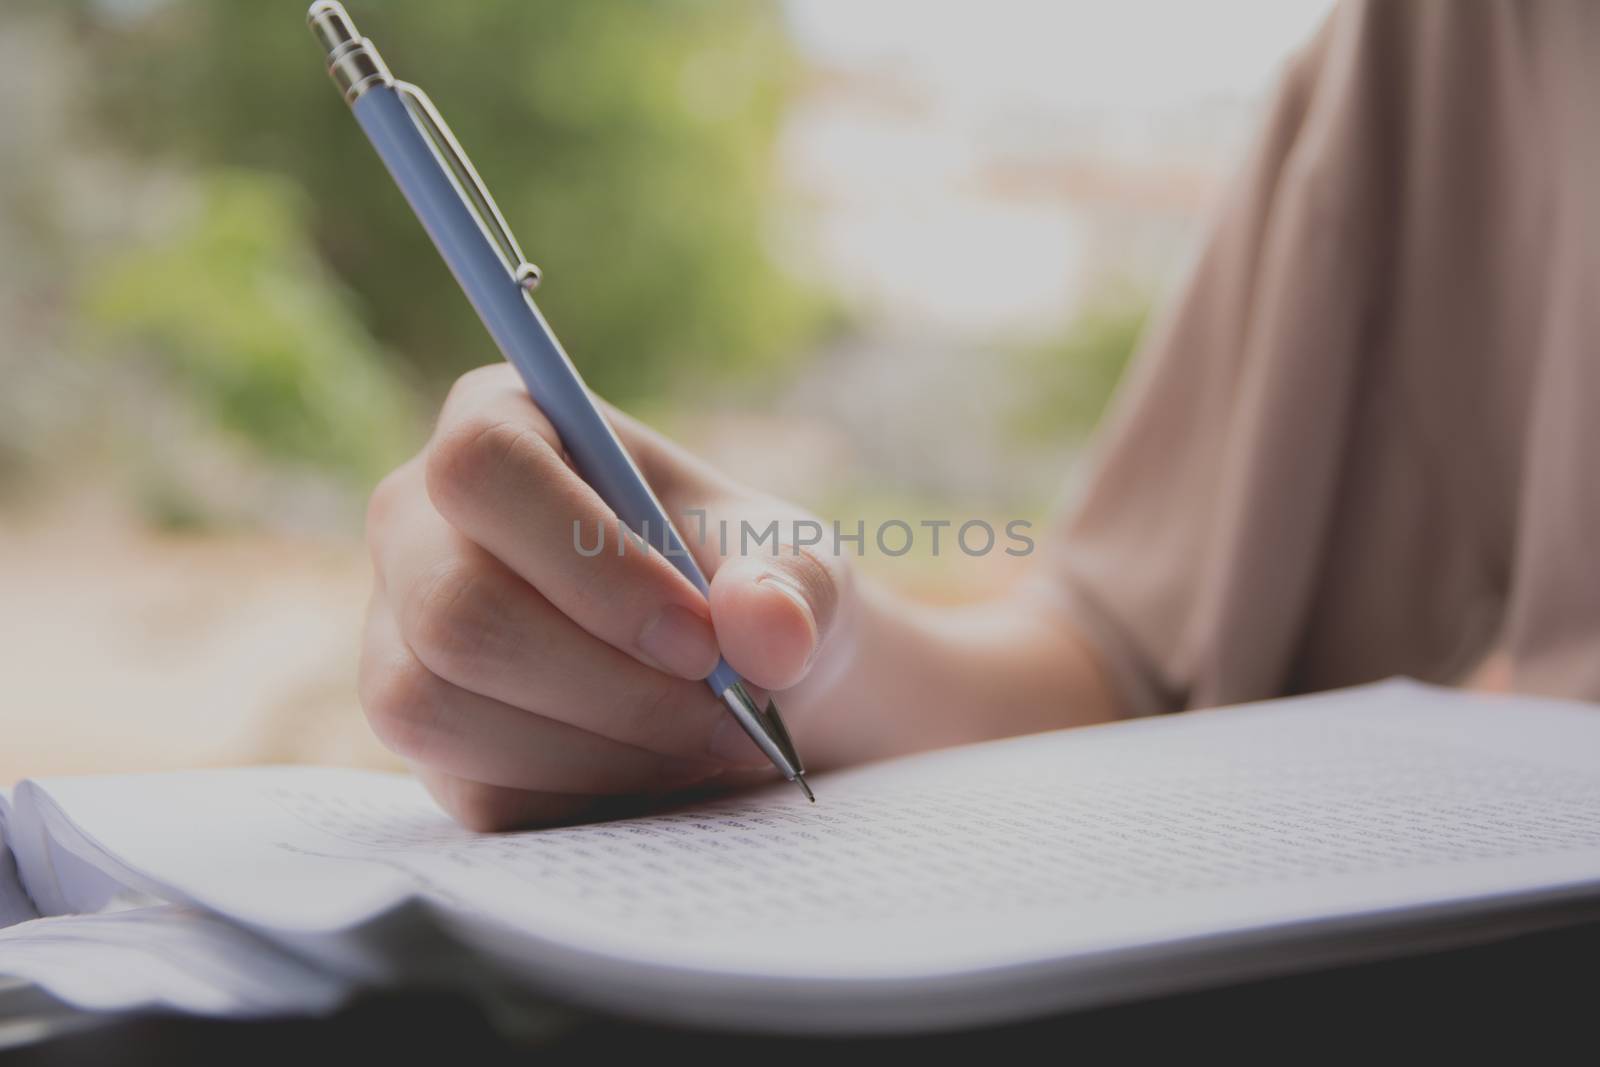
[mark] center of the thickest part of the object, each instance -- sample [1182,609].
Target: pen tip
[800,780]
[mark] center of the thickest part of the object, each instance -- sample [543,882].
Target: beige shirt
[1365,440]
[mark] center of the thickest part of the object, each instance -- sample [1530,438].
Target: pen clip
[473,192]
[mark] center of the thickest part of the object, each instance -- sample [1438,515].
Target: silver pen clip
[473,192]
[356,67]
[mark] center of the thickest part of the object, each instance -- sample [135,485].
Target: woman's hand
[525,678]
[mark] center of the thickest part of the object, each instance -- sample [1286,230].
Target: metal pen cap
[353,60]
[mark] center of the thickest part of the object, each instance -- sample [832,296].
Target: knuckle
[469,456]
[467,390]
[477,376]
[593,591]
[381,505]
[401,702]
[453,618]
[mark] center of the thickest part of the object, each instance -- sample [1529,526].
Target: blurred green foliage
[236,304]
[1071,377]
[629,143]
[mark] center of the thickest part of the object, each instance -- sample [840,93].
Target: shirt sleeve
[1189,556]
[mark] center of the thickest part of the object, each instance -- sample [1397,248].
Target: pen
[456,210]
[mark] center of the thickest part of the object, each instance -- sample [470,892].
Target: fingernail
[792,591]
[680,641]
[731,744]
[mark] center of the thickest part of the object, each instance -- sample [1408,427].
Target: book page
[15,905]
[1365,801]
[162,957]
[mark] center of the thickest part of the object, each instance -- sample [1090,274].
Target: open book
[972,885]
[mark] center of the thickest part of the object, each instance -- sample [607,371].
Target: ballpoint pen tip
[800,780]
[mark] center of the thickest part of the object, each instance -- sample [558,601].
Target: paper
[162,957]
[15,906]
[1037,848]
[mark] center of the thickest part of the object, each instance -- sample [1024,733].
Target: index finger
[495,472]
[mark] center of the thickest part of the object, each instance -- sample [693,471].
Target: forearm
[919,677]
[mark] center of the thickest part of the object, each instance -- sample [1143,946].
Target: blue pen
[439,182]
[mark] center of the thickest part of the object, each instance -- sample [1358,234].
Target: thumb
[772,609]
[773,613]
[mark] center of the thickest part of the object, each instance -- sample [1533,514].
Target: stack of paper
[977,884]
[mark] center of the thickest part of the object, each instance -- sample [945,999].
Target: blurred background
[886,259]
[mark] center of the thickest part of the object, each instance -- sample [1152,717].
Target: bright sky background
[915,106]
[1127,54]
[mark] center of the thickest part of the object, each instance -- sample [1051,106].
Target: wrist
[910,676]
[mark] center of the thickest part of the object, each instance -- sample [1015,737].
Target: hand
[526,681]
